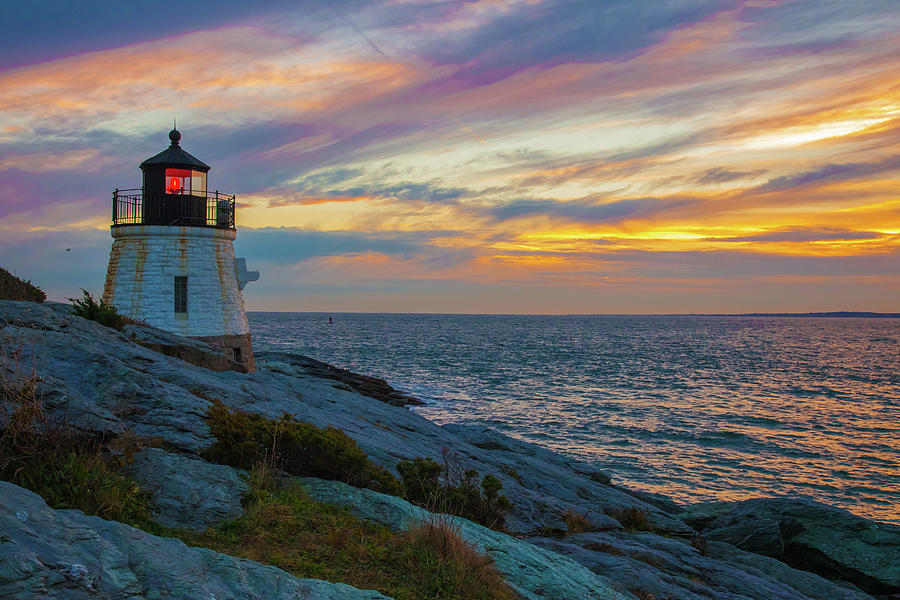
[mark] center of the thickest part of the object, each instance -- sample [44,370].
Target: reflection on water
[697,408]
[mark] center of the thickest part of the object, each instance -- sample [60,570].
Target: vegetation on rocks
[65,466]
[245,440]
[576,522]
[643,594]
[103,313]
[448,488]
[632,518]
[282,526]
[13,288]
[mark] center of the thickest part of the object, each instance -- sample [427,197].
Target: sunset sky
[487,156]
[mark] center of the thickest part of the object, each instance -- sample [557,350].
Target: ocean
[697,408]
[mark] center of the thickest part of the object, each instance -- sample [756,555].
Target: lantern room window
[185,181]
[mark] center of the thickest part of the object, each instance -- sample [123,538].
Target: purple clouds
[531,143]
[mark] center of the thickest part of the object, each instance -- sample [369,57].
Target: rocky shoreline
[156,385]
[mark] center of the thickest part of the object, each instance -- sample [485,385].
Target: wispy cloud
[553,32]
[586,210]
[804,235]
[723,174]
[831,173]
[536,143]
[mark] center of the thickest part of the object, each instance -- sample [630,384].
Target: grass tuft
[576,523]
[282,526]
[458,569]
[642,594]
[632,518]
[605,548]
[66,467]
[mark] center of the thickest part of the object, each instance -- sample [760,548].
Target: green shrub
[13,288]
[449,489]
[64,466]
[422,482]
[285,528]
[244,440]
[103,313]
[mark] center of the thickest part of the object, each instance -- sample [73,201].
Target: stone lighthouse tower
[172,261]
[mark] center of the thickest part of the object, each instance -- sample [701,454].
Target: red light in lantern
[174,185]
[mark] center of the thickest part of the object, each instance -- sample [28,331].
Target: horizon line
[812,314]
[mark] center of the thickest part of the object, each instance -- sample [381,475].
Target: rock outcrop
[671,568]
[189,350]
[188,492]
[106,381]
[63,554]
[808,535]
[373,387]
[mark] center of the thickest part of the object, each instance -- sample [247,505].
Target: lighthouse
[172,261]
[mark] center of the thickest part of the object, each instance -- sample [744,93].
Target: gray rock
[566,485]
[188,492]
[810,536]
[534,573]
[373,387]
[658,500]
[50,554]
[634,572]
[809,584]
[189,350]
[760,535]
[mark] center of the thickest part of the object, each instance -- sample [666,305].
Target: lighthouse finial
[174,135]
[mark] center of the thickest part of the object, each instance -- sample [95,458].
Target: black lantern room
[174,193]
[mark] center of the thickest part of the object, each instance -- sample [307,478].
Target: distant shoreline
[833,314]
[836,314]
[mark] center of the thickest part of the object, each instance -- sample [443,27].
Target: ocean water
[697,408]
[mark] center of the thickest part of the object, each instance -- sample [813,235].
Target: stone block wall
[140,281]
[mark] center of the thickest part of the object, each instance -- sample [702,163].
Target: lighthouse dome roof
[175,156]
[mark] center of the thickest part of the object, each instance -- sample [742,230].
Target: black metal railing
[197,209]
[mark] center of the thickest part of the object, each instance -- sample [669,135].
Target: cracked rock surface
[46,553]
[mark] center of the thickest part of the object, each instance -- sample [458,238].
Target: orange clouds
[242,73]
[62,161]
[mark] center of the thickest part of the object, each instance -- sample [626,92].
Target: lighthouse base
[182,280]
[238,348]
